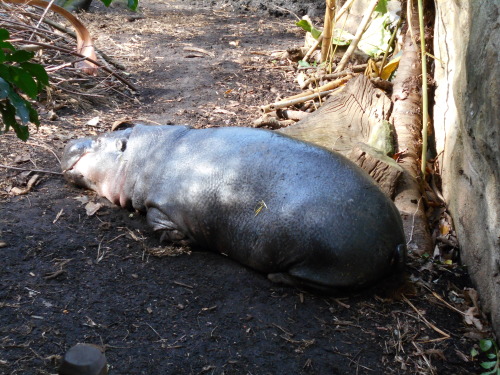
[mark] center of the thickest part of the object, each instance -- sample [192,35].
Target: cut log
[345,119]
[354,123]
[384,170]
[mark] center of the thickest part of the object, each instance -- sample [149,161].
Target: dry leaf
[82,199]
[470,318]
[22,158]
[223,111]
[444,227]
[26,190]
[94,121]
[92,208]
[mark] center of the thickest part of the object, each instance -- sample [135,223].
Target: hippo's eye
[121,144]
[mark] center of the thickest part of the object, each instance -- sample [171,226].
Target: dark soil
[68,277]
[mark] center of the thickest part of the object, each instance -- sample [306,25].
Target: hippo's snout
[73,151]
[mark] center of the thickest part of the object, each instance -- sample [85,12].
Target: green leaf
[375,39]
[33,114]
[37,71]
[488,365]
[22,131]
[22,111]
[491,356]
[5,46]
[23,81]
[8,114]
[15,104]
[381,6]
[4,34]
[5,88]
[485,344]
[315,33]
[5,73]
[304,64]
[19,56]
[495,371]
[342,37]
[107,2]
[304,24]
[474,352]
[132,4]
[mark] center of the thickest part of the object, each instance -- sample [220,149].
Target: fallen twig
[318,92]
[429,324]
[100,65]
[200,50]
[288,114]
[28,169]
[328,77]
[85,46]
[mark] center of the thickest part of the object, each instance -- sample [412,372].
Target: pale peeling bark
[407,119]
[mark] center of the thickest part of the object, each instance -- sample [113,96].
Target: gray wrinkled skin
[299,213]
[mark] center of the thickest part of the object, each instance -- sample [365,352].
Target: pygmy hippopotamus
[299,213]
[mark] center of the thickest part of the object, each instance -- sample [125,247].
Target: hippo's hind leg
[170,232]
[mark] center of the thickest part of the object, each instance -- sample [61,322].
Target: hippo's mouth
[74,152]
[72,163]
[68,165]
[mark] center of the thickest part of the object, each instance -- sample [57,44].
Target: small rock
[84,359]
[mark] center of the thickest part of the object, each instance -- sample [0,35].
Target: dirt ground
[68,277]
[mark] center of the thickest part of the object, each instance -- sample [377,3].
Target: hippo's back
[272,202]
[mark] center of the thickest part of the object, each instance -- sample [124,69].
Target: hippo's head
[93,162]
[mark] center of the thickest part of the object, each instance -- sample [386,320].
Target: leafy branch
[490,349]
[19,79]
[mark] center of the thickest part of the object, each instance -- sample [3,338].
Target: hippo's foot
[160,222]
[287,279]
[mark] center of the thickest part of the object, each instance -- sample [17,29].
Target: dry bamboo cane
[425,100]
[305,96]
[327,30]
[339,14]
[357,37]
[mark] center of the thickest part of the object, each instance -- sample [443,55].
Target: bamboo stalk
[319,92]
[425,101]
[339,14]
[357,37]
[327,30]
[393,36]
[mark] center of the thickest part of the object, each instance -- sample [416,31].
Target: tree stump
[354,122]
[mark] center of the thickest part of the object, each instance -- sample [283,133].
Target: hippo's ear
[121,144]
[123,124]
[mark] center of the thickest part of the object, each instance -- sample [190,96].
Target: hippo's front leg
[170,231]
